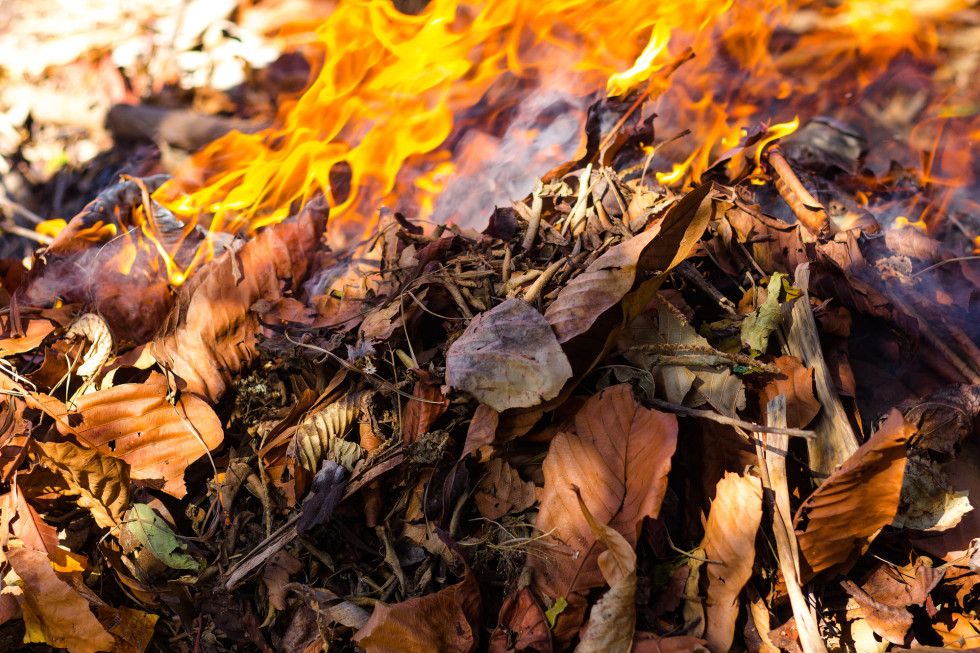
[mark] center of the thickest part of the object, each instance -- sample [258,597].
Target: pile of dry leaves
[618,419]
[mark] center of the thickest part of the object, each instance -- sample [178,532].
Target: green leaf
[759,324]
[556,610]
[155,534]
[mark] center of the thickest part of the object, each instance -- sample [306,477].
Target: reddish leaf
[276,576]
[618,458]
[448,620]
[888,622]
[211,332]
[796,382]
[483,429]
[522,620]
[501,490]
[136,423]
[419,415]
[845,513]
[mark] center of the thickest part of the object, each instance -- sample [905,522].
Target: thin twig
[23,232]
[534,220]
[539,283]
[22,211]
[732,421]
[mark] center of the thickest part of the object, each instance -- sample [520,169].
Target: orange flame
[402,107]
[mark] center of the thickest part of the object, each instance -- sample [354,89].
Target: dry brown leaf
[888,622]
[650,643]
[501,490]
[618,457]
[483,429]
[508,357]
[100,481]
[135,423]
[844,514]
[321,435]
[419,415]
[448,620]
[523,621]
[613,618]
[588,298]
[54,613]
[19,517]
[210,335]
[276,574]
[729,538]
[796,382]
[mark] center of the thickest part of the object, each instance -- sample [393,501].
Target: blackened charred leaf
[508,357]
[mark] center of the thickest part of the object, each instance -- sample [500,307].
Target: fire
[445,113]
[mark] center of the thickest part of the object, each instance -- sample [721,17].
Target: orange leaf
[796,382]
[729,538]
[618,457]
[54,613]
[445,621]
[210,334]
[420,415]
[501,490]
[136,423]
[844,514]
[522,616]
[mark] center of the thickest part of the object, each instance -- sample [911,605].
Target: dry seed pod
[320,436]
[94,329]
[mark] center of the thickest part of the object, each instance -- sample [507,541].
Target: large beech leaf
[211,333]
[100,481]
[136,423]
[448,620]
[508,357]
[54,613]
[605,283]
[844,514]
[729,539]
[618,458]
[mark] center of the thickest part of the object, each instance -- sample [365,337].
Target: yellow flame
[620,83]
[902,221]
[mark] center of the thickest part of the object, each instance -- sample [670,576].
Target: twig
[690,274]
[17,230]
[534,220]
[539,283]
[22,211]
[807,209]
[732,421]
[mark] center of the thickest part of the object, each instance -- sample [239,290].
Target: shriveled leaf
[903,586]
[321,435]
[448,620]
[523,621]
[761,322]
[135,423]
[211,332]
[331,608]
[501,490]
[844,514]
[54,613]
[618,457]
[944,417]
[508,357]
[276,574]
[154,533]
[928,503]
[613,618]
[132,629]
[888,622]
[729,538]
[100,481]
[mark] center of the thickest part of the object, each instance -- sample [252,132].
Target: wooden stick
[807,209]
[731,421]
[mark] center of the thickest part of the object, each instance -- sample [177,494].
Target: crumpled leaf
[844,514]
[888,622]
[501,490]
[54,613]
[508,357]
[419,415]
[211,332]
[618,457]
[729,537]
[101,482]
[944,417]
[321,435]
[448,620]
[928,503]
[613,618]
[19,517]
[154,533]
[902,586]
[761,322]
[522,618]
[136,423]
